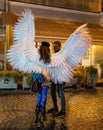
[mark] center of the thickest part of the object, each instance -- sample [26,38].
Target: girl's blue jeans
[42,96]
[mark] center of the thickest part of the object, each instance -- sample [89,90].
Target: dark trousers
[58,88]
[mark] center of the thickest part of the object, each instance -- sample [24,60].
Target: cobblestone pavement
[84,111]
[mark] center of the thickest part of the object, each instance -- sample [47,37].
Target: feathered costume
[24,56]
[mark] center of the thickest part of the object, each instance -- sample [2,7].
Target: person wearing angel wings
[24,56]
[59,89]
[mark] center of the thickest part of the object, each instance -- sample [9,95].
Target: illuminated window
[37,44]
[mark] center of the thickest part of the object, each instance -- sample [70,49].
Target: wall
[96,53]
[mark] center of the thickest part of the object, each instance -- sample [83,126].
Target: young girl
[43,83]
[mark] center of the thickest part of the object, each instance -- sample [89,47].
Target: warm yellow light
[34,43]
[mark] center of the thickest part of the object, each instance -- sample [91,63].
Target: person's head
[44,51]
[56,46]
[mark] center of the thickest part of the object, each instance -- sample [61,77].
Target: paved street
[84,110]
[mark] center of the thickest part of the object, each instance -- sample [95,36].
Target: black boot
[43,113]
[37,111]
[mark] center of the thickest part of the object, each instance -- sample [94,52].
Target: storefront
[51,30]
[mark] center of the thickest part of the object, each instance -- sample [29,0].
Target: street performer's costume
[24,56]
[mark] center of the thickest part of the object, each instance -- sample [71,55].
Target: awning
[46,29]
[51,30]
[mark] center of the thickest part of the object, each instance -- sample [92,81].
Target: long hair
[44,52]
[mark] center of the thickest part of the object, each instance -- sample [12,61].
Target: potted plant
[77,81]
[91,76]
[8,79]
[79,76]
[27,80]
[101,67]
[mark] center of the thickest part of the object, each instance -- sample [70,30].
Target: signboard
[85,62]
[3,4]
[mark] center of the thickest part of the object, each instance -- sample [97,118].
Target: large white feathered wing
[25,57]
[23,35]
[70,54]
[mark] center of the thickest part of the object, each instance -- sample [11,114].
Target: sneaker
[60,114]
[52,110]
